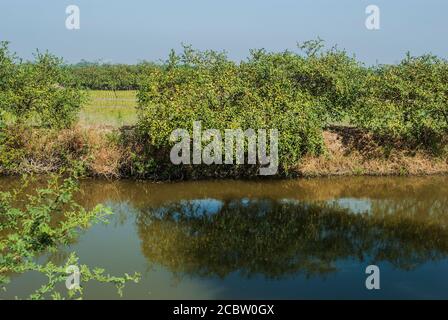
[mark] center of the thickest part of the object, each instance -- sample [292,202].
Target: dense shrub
[32,92]
[258,94]
[331,76]
[408,101]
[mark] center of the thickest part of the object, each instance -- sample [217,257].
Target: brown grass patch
[350,151]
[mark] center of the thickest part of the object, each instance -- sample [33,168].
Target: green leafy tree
[32,92]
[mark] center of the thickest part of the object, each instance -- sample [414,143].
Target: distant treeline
[106,76]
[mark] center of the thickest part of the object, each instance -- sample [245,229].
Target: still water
[295,239]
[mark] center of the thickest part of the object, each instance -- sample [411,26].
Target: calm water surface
[295,239]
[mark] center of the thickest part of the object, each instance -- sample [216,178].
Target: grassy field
[110,108]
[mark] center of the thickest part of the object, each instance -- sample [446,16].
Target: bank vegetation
[335,115]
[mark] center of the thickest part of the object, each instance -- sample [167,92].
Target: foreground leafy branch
[31,224]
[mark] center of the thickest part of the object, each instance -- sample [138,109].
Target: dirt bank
[118,153]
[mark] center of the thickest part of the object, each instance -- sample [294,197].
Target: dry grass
[46,151]
[351,152]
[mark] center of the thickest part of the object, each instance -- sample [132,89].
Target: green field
[109,108]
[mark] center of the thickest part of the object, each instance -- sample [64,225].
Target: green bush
[331,76]
[32,92]
[407,101]
[205,86]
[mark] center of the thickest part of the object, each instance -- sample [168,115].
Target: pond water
[293,239]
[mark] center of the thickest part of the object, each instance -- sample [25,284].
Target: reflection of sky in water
[209,207]
[353,204]
[197,207]
[212,206]
[206,206]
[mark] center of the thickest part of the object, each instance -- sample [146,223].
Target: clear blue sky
[133,30]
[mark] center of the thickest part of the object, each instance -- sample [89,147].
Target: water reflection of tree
[278,238]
